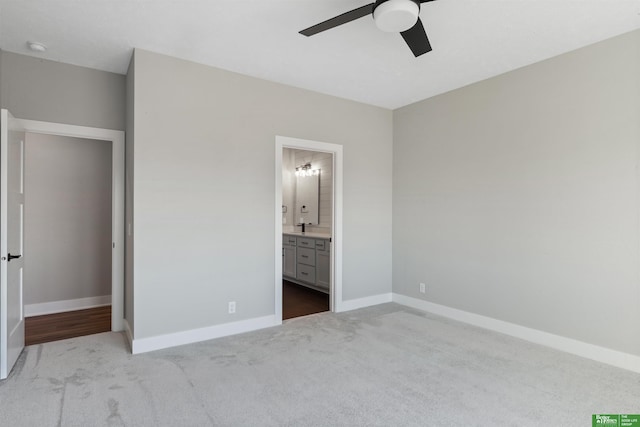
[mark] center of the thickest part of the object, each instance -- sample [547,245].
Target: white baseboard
[354,304]
[129,333]
[143,345]
[65,305]
[568,345]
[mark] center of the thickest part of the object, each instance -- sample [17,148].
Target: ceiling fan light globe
[395,16]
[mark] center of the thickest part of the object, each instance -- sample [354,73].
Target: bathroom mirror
[307,198]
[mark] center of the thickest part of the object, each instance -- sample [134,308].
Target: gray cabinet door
[289,261]
[323,269]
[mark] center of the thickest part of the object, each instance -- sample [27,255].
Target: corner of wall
[129,195]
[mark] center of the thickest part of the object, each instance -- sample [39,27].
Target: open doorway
[309,258]
[12,194]
[307,206]
[116,141]
[68,229]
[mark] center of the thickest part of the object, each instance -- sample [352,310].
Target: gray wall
[67,218]
[51,91]
[517,197]
[1,97]
[204,191]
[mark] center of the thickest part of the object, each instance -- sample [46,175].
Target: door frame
[116,138]
[335,301]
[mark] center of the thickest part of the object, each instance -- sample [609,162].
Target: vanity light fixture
[305,170]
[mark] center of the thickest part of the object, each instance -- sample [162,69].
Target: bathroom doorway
[308,227]
[307,206]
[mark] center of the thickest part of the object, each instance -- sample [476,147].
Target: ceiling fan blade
[352,15]
[425,1]
[417,39]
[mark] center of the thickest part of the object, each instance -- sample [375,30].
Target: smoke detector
[36,47]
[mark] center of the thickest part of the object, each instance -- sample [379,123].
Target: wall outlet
[232,307]
[423,288]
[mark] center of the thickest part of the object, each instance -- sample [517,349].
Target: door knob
[10,257]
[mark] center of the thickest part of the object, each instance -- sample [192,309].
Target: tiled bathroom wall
[319,160]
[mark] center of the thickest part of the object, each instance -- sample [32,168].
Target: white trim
[39,309]
[128,333]
[336,303]
[568,345]
[117,200]
[4,204]
[278,230]
[354,304]
[143,345]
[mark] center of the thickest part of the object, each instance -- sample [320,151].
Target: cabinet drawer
[306,273]
[306,256]
[288,240]
[306,242]
[322,245]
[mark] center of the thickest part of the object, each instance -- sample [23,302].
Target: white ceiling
[472,39]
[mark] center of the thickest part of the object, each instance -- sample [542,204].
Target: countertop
[309,234]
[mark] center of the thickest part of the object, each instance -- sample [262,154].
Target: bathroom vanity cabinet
[288,256]
[307,261]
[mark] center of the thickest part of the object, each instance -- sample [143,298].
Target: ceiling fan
[394,16]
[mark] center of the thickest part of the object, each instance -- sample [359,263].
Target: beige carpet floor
[381,366]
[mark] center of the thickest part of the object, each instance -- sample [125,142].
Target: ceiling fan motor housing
[395,16]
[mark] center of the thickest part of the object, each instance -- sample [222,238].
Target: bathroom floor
[300,301]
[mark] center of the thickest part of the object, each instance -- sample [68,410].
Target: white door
[11,240]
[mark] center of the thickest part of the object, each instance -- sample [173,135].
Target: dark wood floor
[300,301]
[60,326]
[296,301]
